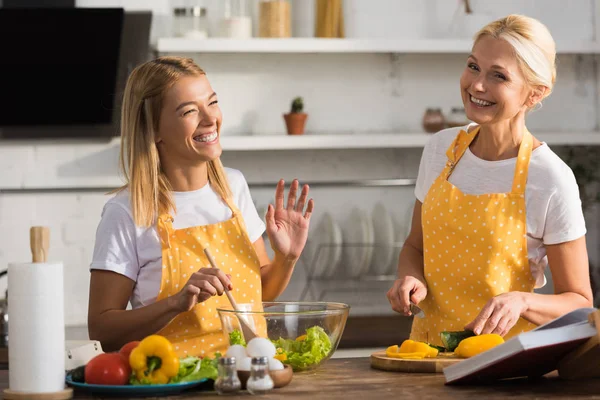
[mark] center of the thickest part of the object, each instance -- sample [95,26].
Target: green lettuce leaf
[194,368]
[303,354]
[236,337]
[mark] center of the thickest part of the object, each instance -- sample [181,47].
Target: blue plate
[134,390]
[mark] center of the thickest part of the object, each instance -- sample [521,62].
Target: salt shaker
[260,381]
[227,380]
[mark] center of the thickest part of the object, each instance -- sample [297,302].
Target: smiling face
[190,122]
[493,87]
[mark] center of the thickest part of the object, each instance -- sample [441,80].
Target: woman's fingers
[291,203]
[302,199]
[309,209]
[279,194]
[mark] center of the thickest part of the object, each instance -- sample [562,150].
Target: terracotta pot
[295,123]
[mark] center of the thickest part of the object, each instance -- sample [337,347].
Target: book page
[573,318]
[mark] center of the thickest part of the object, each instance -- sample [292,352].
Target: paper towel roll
[36,333]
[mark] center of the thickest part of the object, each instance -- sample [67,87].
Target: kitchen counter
[355,379]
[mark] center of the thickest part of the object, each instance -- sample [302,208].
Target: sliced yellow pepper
[301,338]
[280,355]
[411,349]
[474,345]
[155,360]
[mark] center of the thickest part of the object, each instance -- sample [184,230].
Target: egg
[243,364]
[275,364]
[261,347]
[237,351]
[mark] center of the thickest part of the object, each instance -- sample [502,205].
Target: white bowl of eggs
[260,347]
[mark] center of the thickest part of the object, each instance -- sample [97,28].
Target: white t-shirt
[552,203]
[135,251]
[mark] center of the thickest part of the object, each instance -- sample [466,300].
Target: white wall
[343,93]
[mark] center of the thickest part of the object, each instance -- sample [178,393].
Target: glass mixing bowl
[306,334]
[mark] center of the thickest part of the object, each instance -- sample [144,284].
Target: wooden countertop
[353,378]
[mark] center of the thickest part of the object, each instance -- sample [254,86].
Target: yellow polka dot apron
[474,247]
[199,332]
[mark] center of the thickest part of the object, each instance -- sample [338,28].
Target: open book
[530,354]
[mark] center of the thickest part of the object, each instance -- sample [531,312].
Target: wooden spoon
[247,331]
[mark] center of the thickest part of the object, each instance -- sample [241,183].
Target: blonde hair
[533,45]
[150,190]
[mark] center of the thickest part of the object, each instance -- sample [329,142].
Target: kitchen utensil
[290,320]
[425,365]
[247,331]
[416,311]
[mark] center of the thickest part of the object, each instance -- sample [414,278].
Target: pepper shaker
[260,381]
[227,381]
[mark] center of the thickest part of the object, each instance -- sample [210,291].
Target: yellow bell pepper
[301,338]
[474,345]
[280,355]
[155,360]
[411,349]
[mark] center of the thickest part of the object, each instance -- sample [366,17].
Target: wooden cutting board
[426,365]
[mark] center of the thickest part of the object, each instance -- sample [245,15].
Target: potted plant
[296,118]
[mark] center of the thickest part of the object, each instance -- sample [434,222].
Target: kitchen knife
[416,311]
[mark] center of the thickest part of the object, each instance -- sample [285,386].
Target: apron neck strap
[463,140]
[459,145]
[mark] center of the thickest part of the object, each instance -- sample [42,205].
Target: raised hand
[287,226]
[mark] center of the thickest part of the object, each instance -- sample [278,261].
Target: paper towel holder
[39,238]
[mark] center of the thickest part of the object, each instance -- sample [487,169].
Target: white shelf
[311,45]
[316,142]
[374,141]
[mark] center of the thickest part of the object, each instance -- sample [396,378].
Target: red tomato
[107,369]
[126,350]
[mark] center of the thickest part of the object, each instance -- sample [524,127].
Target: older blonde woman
[494,204]
[178,200]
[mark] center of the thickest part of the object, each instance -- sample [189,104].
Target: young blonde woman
[179,199]
[494,205]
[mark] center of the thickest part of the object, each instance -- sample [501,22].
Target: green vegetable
[301,354]
[236,337]
[438,348]
[194,368]
[78,374]
[452,339]
[190,369]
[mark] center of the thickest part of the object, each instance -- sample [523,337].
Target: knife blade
[416,311]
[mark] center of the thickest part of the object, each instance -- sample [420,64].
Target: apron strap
[164,226]
[459,145]
[522,167]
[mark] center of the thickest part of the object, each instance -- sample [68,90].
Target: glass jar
[274,19]
[260,382]
[457,117]
[227,380]
[237,22]
[433,120]
[191,23]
